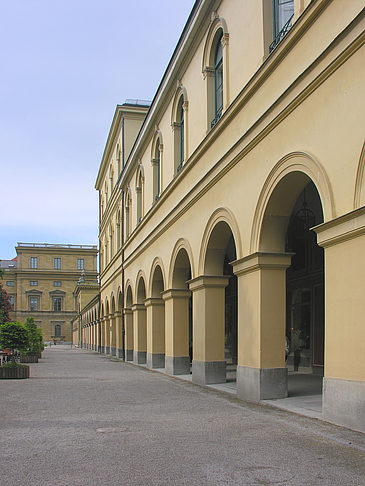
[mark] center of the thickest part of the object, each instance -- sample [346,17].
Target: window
[156,164]
[33,262]
[57,283]
[218,81]
[283,12]
[57,263]
[57,330]
[33,283]
[127,208]
[139,191]
[10,283]
[57,304]
[33,303]
[179,126]
[12,301]
[80,264]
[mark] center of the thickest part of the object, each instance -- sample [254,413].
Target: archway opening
[221,252]
[128,326]
[156,322]
[305,286]
[181,276]
[293,209]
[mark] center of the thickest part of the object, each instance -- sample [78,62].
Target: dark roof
[8,264]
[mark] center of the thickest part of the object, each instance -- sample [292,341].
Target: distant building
[41,280]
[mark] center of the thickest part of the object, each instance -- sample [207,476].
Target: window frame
[57,263]
[34,262]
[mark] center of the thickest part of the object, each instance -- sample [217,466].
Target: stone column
[140,333]
[129,339]
[155,333]
[177,361]
[107,335]
[209,365]
[343,240]
[119,334]
[261,370]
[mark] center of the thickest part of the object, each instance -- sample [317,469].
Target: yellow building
[41,281]
[232,230]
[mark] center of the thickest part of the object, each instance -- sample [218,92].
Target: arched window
[118,230]
[111,238]
[128,210]
[215,70]
[157,166]
[179,126]
[139,191]
[218,81]
[118,160]
[111,176]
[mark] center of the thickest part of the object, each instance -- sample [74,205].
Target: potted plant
[14,336]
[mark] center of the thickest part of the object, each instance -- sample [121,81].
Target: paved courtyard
[83,419]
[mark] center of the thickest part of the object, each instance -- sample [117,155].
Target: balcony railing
[281,34]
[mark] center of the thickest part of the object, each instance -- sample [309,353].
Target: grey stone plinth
[139,357]
[177,365]
[209,372]
[344,402]
[113,351]
[257,384]
[107,349]
[155,360]
[119,353]
[129,354]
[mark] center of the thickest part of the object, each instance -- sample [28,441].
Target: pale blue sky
[64,65]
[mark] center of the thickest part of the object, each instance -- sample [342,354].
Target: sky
[64,66]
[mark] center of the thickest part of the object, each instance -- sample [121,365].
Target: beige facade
[212,266]
[42,281]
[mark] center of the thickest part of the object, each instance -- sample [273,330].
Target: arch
[157,264]
[180,92]
[141,286]
[102,310]
[220,215]
[119,300]
[107,311]
[128,211]
[217,24]
[112,307]
[180,245]
[118,230]
[128,294]
[359,194]
[295,162]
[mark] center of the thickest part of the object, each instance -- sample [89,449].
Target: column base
[113,351]
[257,384]
[155,360]
[102,349]
[343,402]
[209,372]
[129,354]
[107,349]
[139,357]
[177,365]
[119,353]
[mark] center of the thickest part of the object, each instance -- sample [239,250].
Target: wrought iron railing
[281,34]
[216,118]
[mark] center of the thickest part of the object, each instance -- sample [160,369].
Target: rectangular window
[57,283]
[80,264]
[33,262]
[57,301]
[57,263]
[57,330]
[10,283]
[12,301]
[33,303]
[34,283]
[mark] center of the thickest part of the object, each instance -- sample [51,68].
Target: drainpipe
[122,252]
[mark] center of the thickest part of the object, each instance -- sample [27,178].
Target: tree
[5,305]
[14,336]
[34,336]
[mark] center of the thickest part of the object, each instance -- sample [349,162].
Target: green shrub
[13,364]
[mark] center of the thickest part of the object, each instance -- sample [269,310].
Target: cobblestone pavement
[82,419]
